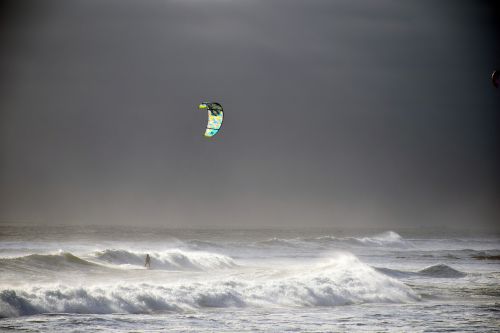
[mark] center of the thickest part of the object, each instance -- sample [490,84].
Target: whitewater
[88,279]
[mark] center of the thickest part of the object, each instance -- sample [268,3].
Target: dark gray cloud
[337,113]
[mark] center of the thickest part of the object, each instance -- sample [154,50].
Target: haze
[338,113]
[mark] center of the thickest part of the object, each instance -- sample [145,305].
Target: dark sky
[338,113]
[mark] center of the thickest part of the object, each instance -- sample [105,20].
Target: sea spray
[174,259]
[343,279]
[385,239]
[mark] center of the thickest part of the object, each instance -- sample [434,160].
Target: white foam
[340,280]
[385,238]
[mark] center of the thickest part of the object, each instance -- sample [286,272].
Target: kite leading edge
[215,117]
[495,78]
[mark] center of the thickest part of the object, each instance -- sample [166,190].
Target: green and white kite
[215,117]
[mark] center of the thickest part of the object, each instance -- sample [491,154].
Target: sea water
[90,279]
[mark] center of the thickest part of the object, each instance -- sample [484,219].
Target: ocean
[93,279]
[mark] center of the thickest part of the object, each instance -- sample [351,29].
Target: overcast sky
[337,113]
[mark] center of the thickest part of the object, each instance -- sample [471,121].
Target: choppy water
[64,279]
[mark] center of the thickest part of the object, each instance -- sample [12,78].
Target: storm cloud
[337,113]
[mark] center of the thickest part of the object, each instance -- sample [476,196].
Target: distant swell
[388,238]
[441,271]
[342,280]
[486,255]
[435,271]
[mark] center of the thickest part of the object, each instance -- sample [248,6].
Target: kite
[495,78]
[215,117]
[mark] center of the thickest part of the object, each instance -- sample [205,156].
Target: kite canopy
[495,78]
[215,117]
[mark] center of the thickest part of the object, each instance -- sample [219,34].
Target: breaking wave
[62,260]
[383,239]
[281,242]
[342,280]
[174,259]
[388,238]
[168,260]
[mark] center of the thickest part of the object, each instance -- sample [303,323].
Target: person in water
[147,264]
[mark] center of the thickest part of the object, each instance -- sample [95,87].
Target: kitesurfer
[147,264]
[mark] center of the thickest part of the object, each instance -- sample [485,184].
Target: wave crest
[388,238]
[168,260]
[441,271]
[62,260]
[434,271]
